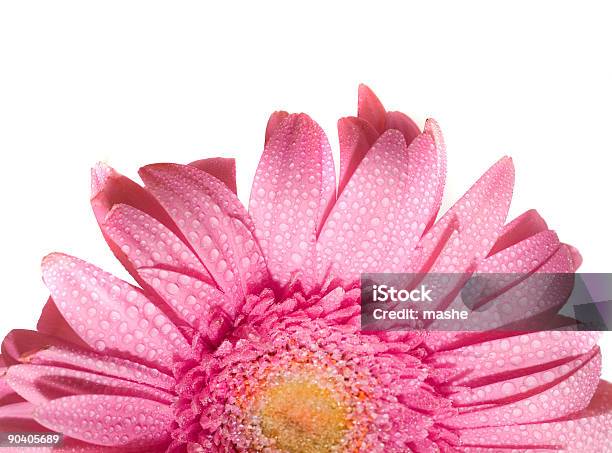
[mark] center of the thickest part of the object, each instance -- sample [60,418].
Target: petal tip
[152,173]
[505,165]
[150,169]
[370,108]
[575,256]
[393,136]
[100,174]
[432,126]
[364,91]
[48,260]
[274,122]
[52,261]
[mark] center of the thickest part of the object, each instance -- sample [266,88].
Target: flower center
[303,417]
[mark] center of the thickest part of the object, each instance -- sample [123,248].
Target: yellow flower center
[303,417]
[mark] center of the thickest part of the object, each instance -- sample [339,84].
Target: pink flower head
[243,333]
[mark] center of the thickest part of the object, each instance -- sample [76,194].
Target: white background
[131,83]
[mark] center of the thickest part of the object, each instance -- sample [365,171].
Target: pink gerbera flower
[243,333]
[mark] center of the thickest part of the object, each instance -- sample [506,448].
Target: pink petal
[544,291]
[524,226]
[274,121]
[477,219]
[108,420]
[221,168]
[17,417]
[104,365]
[480,361]
[22,410]
[51,322]
[39,384]
[292,190]
[19,344]
[522,257]
[521,383]
[148,243]
[404,124]
[214,222]
[109,314]
[383,210]
[576,256]
[25,346]
[516,262]
[538,294]
[7,394]
[432,128]
[567,394]
[191,298]
[588,431]
[371,109]
[109,188]
[356,137]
